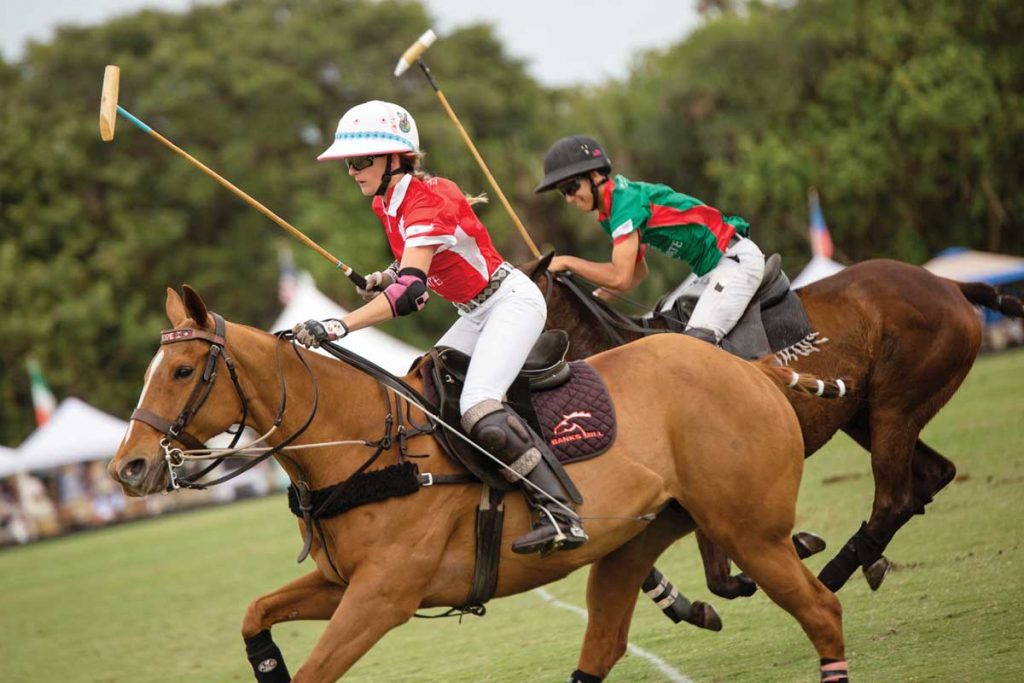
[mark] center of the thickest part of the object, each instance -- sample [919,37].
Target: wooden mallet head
[108,102]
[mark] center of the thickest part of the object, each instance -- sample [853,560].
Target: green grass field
[163,600]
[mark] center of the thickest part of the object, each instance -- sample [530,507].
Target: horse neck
[586,333]
[349,405]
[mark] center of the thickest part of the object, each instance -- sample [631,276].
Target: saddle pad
[577,419]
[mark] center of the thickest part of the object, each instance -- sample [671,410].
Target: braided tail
[981,294]
[803,382]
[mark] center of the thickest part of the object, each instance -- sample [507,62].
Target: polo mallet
[412,55]
[109,109]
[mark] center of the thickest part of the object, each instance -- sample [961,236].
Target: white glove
[312,332]
[378,281]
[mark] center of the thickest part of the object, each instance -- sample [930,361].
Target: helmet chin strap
[385,180]
[593,190]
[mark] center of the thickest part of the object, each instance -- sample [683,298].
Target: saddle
[774,320]
[567,404]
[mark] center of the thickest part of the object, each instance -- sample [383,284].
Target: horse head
[186,397]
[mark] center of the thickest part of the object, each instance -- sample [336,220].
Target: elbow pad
[409,293]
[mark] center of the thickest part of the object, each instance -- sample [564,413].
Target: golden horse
[705,441]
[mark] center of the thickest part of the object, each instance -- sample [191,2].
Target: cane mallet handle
[109,109]
[414,53]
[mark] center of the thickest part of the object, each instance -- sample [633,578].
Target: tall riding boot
[504,434]
[555,528]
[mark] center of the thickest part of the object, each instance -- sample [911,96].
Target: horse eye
[183,371]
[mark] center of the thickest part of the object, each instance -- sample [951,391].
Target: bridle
[176,431]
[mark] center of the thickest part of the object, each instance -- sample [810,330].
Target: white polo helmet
[374,127]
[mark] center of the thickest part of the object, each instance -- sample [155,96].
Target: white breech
[498,336]
[731,286]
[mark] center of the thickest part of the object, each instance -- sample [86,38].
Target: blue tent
[967,265]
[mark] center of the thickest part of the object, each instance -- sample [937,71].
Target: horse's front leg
[373,604]
[308,597]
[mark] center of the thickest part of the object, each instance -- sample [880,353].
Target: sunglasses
[360,163]
[568,187]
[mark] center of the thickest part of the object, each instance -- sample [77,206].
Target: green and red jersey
[679,225]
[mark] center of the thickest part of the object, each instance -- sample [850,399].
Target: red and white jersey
[434,212]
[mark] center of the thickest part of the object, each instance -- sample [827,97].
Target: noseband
[175,431]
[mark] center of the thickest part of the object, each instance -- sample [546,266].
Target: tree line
[907,117]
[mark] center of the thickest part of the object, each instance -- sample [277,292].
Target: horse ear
[537,266]
[174,307]
[195,307]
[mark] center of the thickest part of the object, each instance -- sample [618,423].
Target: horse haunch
[902,340]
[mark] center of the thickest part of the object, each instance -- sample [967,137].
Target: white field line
[671,674]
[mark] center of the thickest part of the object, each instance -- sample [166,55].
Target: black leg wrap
[839,569]
[578,676]
[669,600]
[266,659]
[869,548]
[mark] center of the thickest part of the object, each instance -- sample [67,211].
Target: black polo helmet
[570,157]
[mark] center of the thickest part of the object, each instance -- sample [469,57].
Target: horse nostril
[133,471]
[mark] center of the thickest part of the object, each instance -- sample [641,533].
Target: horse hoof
[876,573]
[747,585]
[703,615]
[732,587]
[808,544]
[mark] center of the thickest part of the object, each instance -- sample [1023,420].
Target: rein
[612,322]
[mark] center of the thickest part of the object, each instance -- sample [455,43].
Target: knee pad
[503,433]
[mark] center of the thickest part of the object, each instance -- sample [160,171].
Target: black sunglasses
[568,187]
[360,163]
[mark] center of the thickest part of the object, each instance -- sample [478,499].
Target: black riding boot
[555,528]
[504,434]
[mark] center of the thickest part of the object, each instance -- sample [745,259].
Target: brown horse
[905,337]
[727,460]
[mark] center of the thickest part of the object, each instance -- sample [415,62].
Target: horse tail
[981,294]
[803,382]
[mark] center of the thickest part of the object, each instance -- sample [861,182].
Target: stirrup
[536,540]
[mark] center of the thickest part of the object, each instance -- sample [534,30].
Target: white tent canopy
[966,265]
[75,432]
[308,302]
[818,268]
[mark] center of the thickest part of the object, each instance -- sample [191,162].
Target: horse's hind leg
[309,597]
[932,473]
[612,591]
[908,473]
[775,567]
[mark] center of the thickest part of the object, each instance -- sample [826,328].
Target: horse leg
[717,565]
[612,591]
[308,597]
[932,473]
[372,604]
[775,567]
[717,571]
[893,443]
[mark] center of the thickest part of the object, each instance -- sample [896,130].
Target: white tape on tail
[796,378]
[821,388]
[842,387]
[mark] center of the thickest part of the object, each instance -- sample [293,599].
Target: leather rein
[612,322]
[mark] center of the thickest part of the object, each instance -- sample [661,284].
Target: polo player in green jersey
[637,214]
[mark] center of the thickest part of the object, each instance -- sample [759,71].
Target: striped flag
[821,240]
[42,397]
